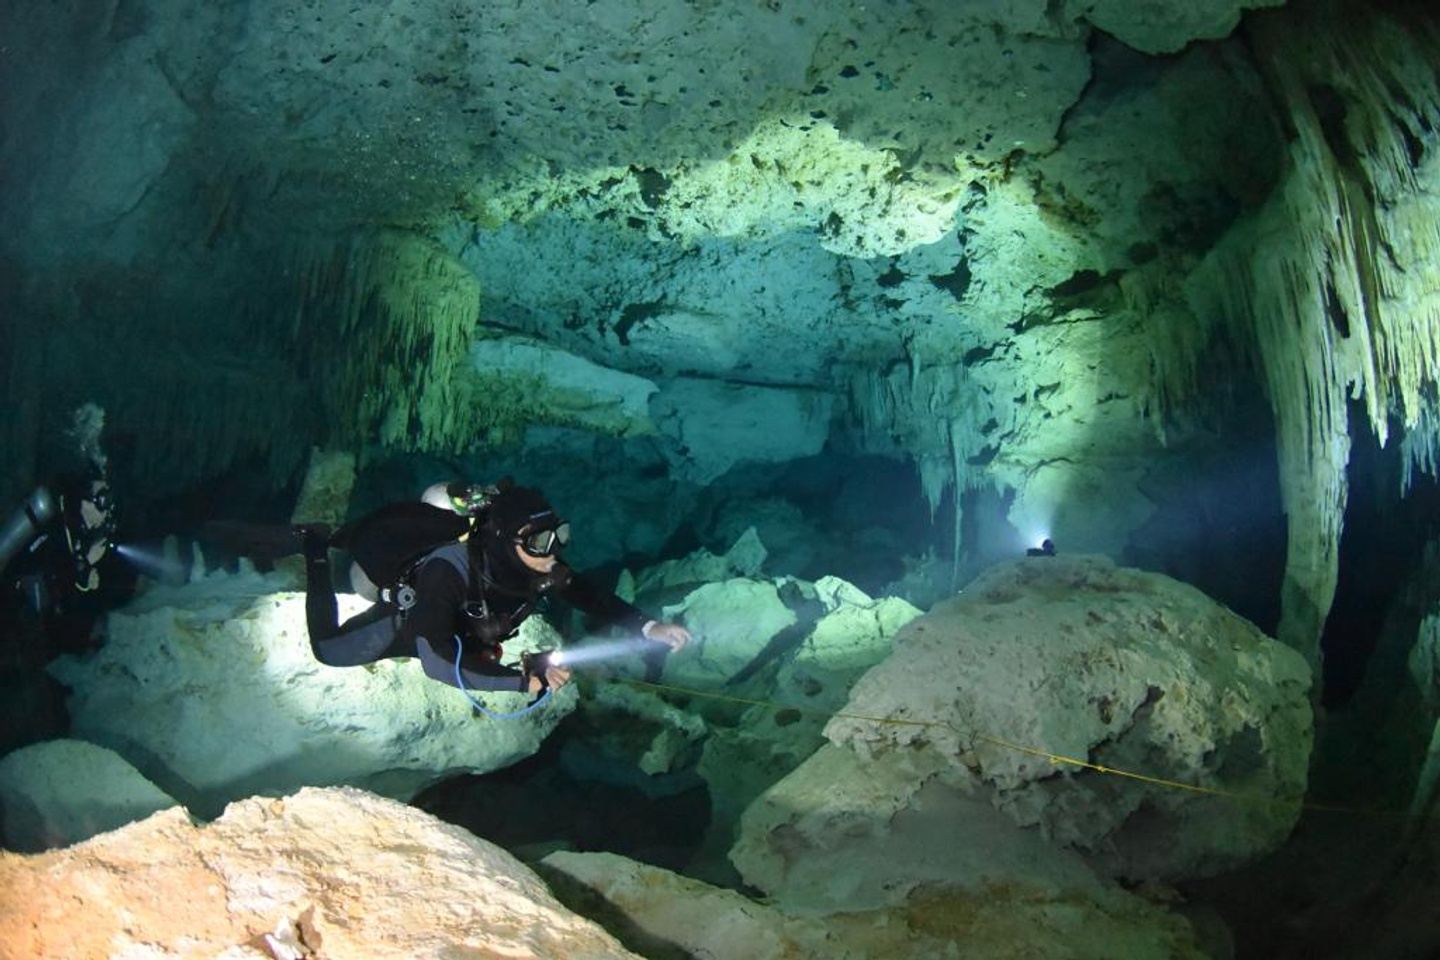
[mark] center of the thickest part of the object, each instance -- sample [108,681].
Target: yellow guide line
[1058,759]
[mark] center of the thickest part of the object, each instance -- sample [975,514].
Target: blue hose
[514,715]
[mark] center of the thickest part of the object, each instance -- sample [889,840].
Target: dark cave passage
[1381,552]
[539,805]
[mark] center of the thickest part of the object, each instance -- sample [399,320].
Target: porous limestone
[323,873]
[1067,656]
[212,692]
[745,755]
[714,425]
[1156,26]
[744,559]
[732,621]
[61,792]
[666,913]
[325,494]
[558,387]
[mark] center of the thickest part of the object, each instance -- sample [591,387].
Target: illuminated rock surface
[60,792]
[322,873]
[212,692]
[1066,655]
[664,910]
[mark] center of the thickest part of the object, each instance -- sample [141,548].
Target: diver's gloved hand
[314,539]
[541,674]
[672,635]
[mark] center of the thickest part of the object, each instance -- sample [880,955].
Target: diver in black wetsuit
[475,590]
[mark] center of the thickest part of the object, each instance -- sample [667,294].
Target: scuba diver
[452,606]
[60,542]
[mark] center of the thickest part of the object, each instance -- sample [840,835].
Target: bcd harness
[485,627]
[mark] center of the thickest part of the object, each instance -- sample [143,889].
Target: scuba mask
[543,543]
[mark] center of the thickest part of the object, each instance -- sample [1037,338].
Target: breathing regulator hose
[536,704]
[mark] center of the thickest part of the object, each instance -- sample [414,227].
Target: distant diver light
[1045,548]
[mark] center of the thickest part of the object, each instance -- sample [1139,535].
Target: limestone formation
[1333,280]
[211,691]
[744,559]
[1155,26]
[802,685]
[949,738]
[323,873]
[732,621]
[60,792]
[553,386]
[666,913]
[714,426]
[325,495]
[973,217]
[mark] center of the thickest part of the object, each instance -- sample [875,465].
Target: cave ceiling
[952,217]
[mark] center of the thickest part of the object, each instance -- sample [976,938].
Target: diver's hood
[520,509]
[511,511]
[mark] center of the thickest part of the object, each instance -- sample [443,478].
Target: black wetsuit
[444,582]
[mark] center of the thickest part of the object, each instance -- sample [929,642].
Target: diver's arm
[488,676]
[582,594]
[434,620]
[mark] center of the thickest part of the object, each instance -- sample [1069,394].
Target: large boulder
[732,622]
[60,792]
[211,691]
[1052,657]
[747,753]
[670,915]
[324,873]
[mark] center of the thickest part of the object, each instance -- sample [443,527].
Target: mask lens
[544,543]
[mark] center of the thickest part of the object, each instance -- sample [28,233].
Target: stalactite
[388,318]
[1334,281]
[933,414]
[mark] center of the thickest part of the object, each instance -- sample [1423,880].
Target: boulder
[63,791]
[667,915]
[746,755]
[744,559]
[732,621]
[323,873]
[1064,656]
[211,691]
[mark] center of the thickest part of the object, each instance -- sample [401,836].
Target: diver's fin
[258,541]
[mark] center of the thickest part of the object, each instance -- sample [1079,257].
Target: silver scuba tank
[26,524]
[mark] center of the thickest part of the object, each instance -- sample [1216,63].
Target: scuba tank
[387,543]
[25,524]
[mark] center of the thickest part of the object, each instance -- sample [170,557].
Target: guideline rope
[1058,759]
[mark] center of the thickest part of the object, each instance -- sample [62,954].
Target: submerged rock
[732,621]
[211,691]
[667,915]
[1068,656]
[323,873]
[60,792]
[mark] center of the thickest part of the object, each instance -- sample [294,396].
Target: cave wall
[1025,247]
